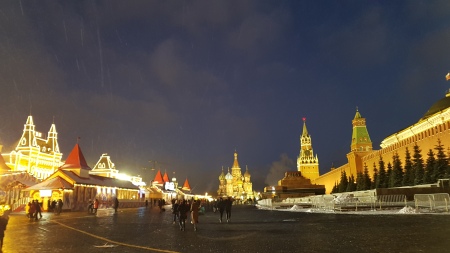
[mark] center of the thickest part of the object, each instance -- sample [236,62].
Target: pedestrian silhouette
[3,223]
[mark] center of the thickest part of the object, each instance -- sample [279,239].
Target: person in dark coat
[116,204]
[3,223]
[32,209]
[175,212]
[37,210]
[183,210]
[59,206]
[228,204]
[54,205]
[221,208]
[195,207]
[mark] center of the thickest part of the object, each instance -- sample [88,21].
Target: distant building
[75,186]
[106,168]
[298,183]
[235,184]
[293,185]
[433,126]
[34,153]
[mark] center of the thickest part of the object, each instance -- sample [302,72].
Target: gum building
[36,154]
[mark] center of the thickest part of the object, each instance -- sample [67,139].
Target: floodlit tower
[307,162]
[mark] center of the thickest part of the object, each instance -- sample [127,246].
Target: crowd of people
[33,209]
[224,205]
[182,208]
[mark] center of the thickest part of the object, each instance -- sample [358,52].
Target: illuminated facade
[307,162]
[433,126]
[106,168]
[235,184]
[34,153]
[75,186]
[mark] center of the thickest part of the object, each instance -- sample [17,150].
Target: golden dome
[246,174]
[222,175]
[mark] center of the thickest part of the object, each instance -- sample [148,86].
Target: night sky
[186,83]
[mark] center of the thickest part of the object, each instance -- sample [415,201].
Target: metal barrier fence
[391,200]
[339,202]
[433,202]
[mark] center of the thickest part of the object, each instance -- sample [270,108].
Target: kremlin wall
[433,126]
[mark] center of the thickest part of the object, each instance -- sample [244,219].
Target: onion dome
[222,175]
[229,176]
[246,174]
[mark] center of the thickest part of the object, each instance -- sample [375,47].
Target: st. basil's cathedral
[234,184]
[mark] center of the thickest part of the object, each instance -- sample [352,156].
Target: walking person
[54,206]
[59,206]
[175,212]
[195,208]
[116,204]
[37,210]
[228,204]
[95,205]
[90,207]
[221,208]
[32,209]
[27,210]
[183,210]
[3,223]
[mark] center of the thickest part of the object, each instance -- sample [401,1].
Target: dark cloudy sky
[185,83]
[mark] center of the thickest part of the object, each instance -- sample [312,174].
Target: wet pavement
[251,230]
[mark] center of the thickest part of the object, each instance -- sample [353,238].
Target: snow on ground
[393,211]
[407,209]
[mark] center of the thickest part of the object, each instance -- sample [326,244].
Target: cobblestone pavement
[250,230]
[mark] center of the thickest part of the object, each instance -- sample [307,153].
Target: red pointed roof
[186,185]
[76,160]
[166,177]
[158,178]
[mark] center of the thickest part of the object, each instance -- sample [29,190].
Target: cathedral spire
[235,163]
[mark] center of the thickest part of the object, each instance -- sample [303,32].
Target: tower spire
[28,139]
[360,136]
[307,163]
[305,131]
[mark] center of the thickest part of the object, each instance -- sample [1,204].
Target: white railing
[20,202]
[433,202]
